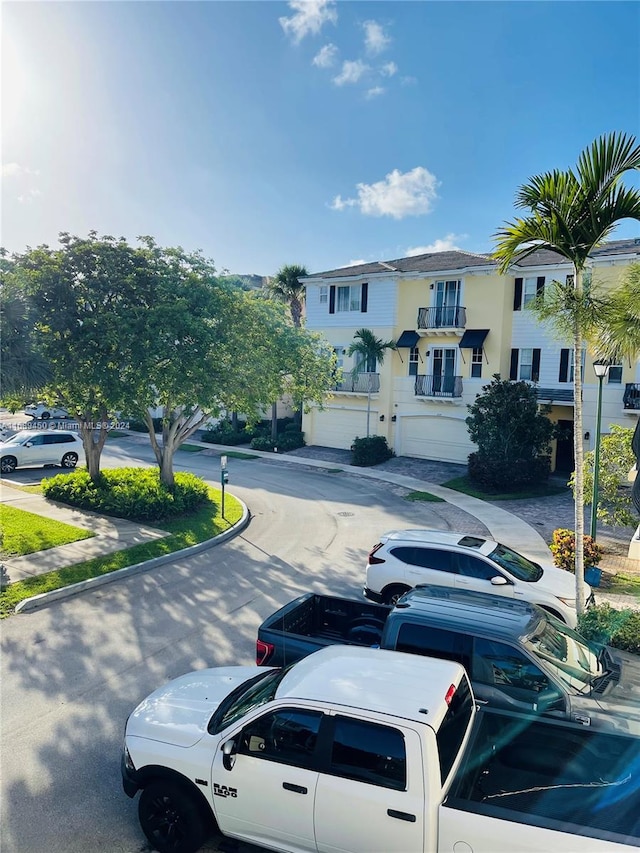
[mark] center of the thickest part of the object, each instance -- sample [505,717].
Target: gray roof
[457,259]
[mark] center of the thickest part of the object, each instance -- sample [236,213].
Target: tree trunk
[92,448]
[274,422]
[578,448]
[234,420]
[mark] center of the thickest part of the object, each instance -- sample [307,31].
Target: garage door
[439,438]
[338,427]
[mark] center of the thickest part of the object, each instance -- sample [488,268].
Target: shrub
[287,440]
[133,493]
[138,425]
[493,475]
[263,442]
[563,548]
[224,433]
[618,628]
[370,451]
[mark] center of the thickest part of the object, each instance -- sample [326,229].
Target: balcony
[361,383]
[448,320]
[438,387]
[631,398]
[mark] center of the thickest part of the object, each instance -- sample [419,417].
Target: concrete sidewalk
[111,534]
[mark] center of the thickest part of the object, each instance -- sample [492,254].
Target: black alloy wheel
[171,818]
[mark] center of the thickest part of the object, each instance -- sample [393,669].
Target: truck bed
[313,621]
[556,775]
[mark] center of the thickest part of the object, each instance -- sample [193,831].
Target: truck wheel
[392,593]
[171,818]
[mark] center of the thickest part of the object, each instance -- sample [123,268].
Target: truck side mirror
[498,580]
[229,750]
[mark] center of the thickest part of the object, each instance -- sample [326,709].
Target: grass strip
[25,532]
[423,496]
[238,454]
[620,584]
[204,524]
[464,485]
[191,448]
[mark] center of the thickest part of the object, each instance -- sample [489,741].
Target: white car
[44,411]
[30,448]
[403,559]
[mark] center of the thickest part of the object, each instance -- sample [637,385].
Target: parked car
[518,657]
[28,449]
[44,411]
[403,559]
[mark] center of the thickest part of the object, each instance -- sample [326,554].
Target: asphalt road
[72,672]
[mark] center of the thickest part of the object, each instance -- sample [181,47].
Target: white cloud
[408,81]
[352,71]
[389,69]
[375,92]
[326,56]
[375,38]
[28,197]
[15,170]
[398,195]
[446,244]
[309,17]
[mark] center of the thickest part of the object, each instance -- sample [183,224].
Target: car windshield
[573,659]
[247,696]
[18,438]
[516,564]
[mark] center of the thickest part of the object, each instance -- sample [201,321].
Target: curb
[44,598]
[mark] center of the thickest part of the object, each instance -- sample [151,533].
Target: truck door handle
[401,815]
[297,789]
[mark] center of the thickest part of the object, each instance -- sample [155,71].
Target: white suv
[405,558]
[30,448]
[44,411]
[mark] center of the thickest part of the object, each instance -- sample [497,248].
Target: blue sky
[310,132]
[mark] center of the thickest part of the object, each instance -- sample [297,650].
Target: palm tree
[285,287]
[371,351]
[572,213]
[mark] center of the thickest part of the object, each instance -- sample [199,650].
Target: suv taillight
[373,559]
[263,652]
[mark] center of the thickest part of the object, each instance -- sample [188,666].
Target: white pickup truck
[358,750]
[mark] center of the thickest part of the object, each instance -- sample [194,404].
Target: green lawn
[204,524]
[25,533]
[191,448]
[620,584]
[464,485]
[423,496]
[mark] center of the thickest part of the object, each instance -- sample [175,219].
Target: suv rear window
[451,733]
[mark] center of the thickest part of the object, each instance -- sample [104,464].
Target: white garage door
[338,427]
[439,438]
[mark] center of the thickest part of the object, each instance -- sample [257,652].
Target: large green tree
[84,294]
[572,212]
[371,351]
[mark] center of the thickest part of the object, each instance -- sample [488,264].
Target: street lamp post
[600,369]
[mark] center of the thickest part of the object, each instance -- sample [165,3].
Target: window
[476,363]
[566,365]
[505,667]
[427,558]
[454,727]
[525,364]
[614,376]
[365,365]
[36,440]
[473,567]
[413,361]
[324,294]
[526,290]
[288,736]
[368,752]
[352,297]
[434,642]
[58,438]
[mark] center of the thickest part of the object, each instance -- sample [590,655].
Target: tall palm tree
[371,351]
[285,286]
[572,213]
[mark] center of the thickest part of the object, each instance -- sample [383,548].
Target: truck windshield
[247,696]
[572,657]
[516,564]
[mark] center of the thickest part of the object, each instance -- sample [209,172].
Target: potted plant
[563,548]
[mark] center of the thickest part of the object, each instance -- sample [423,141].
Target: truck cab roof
[393,683]
[478,612]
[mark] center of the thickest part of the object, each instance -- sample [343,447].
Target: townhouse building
[456,322]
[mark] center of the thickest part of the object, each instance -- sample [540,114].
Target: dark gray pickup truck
[518,656]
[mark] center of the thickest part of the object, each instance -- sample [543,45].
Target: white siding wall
[381,307]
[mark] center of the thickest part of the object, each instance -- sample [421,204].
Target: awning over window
[408,338]
[473,338]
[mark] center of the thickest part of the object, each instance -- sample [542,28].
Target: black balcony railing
[361,383]
[631,398]
[447,317]
[438,386]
